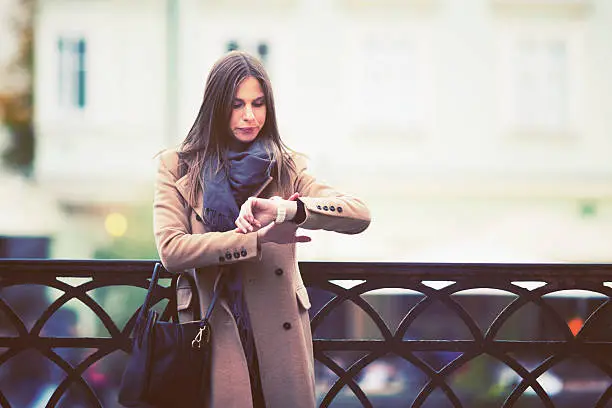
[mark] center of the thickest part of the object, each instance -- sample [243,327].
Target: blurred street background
[478,130]
[475,130]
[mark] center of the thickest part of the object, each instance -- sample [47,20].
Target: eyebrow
[259,97]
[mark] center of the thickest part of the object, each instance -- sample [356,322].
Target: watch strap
[281,213]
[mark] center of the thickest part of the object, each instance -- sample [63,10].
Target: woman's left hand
[256,213]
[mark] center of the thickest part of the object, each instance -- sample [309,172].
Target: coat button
[325,208]
[243,252]
[198,218]
[236,254]
[221,259]
[332,208]
[286,325]
[228,255]
[318,207]
[278,272]
[339,209]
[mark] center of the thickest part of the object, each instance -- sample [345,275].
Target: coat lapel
[181,186]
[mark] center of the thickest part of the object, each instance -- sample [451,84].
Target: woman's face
[248,110]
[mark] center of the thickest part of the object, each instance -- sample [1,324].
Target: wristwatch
[281,213]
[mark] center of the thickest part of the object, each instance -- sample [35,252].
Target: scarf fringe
[217,220]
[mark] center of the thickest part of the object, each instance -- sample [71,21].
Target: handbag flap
[184,293]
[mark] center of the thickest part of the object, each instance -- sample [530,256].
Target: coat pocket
[302,295]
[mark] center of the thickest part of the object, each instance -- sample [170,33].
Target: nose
[248,113]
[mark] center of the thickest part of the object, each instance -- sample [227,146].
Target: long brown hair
[208,140]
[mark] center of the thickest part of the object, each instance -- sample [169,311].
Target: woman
[207,222]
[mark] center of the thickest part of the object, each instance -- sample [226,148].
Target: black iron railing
[420,335]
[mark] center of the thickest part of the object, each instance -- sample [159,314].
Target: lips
[248,130]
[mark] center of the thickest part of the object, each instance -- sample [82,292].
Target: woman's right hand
[256,213]
[283,233]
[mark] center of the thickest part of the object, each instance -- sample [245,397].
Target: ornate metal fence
[420,335]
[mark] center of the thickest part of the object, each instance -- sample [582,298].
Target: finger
[255,207]
[248,209]
[242,212]
[294,197]
[247,225]
[243,225]
[240,228]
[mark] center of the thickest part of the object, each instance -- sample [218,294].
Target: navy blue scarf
[225,193]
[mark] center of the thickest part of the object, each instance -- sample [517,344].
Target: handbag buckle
[204,331]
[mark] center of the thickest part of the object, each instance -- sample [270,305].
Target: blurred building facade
[8,43]
[478,130]
[29,215]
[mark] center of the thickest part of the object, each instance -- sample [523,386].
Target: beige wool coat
[276,298]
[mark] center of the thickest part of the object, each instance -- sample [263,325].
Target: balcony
[420,335]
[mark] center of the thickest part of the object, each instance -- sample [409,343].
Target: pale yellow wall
[461,186]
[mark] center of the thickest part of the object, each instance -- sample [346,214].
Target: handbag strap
[146,305]
[216,291]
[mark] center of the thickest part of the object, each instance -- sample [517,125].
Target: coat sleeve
[327,208]
[178,248]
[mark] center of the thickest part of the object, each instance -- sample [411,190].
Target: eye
[259,102]
[237,104]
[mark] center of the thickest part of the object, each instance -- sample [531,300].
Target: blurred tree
[16,105]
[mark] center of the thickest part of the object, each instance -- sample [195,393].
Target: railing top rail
[454,271]
[331,270]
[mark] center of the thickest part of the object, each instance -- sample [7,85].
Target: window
[232,46]
[259,49]
[541,78]
[541,83]
[395,89]
[72,72]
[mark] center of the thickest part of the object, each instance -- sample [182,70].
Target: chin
[245,139]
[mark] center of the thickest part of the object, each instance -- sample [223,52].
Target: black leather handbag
[170,362]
